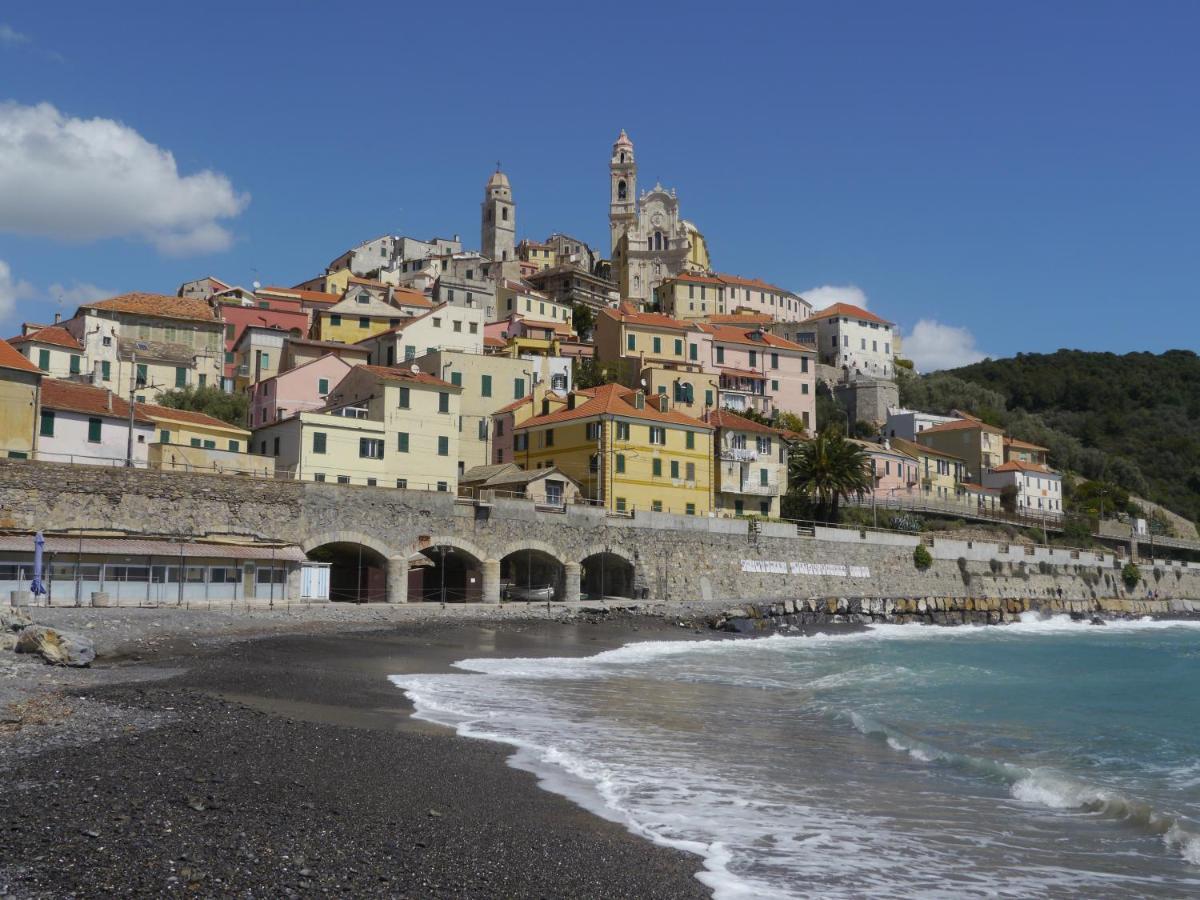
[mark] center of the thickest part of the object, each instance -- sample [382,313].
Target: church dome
[498,179]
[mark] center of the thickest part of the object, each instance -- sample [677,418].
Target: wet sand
[289,766]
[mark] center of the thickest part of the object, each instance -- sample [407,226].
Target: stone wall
[675,557]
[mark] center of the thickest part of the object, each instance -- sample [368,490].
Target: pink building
[895,475]
[291,321]
[295,390]
[762,371]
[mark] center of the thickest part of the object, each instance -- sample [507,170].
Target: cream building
[750,468]
[53,349]
[383,427]
[19,385]
[442,328]
[651,242]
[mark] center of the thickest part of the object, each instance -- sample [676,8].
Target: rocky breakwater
[782,615]
[61,648]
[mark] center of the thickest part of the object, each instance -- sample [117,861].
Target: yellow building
[691,295]
[751,467]
[979,445]
[19,383]
[358,316]
[513,298]
[382,427]
[940,474]
[54,350]
[628,451]
[192,440]
[541,255]
[633,340]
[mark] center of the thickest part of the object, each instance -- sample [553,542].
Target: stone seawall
[673,558]
[754,618]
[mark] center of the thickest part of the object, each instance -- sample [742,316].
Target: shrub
[1158,573]
[1131,575]
[1044,567]
[921,557]
[1037,535]
[995,565]
[962,569]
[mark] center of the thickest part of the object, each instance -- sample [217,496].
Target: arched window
[504,213]
[558,381]
[658,240]
[622,156]
[621,189]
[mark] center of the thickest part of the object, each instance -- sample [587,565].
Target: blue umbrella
[36,587]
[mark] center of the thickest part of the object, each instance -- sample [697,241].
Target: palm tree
[828,468]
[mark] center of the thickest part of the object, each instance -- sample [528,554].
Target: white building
[442,328]
[89,425]
[908,423]
[1039,490]
[851,338]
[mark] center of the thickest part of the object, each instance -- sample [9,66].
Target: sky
[994,178]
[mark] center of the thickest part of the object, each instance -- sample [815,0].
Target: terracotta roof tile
[1015,465]
[850,311]
[154,411]
[911,448]
[724,418]
[301,294]
[391,373]
[489,341]
[1025,445]
[160,306]
[743,373]
[740,319]
[10,358]
[960,425]
[75,396]
[626,313]
[731,335]
[613,400]
[54,334]
[528,398]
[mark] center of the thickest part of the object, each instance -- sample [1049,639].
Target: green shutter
[195,442]
[234,446]
[691,440]
[762,477]
[678,347]
[402,442]
[443,402]
[164,437]
[105,370]
[443,446]
[631,342]
[322,386]
[74,364]
[94,426]
[518,388]
[674,468]
[656,468]
[318,442]
[180,377]
[693,351]
[47,429]
[657,344]
[405,398]
[456,379]
[620,463]
[485,388]
[44,360]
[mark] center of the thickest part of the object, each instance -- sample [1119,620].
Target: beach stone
[14,619]
[8,640]
[62,648]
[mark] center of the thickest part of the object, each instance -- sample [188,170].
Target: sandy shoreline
[269,755]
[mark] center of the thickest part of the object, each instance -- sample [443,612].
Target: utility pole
[132,400]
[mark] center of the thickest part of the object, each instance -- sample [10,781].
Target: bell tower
[499,219]
[622,203]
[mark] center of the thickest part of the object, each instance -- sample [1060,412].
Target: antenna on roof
[257,284]
[414,368]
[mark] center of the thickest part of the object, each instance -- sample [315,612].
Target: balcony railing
[739,454]
[756,488]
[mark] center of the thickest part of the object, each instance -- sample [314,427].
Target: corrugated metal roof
[116,546]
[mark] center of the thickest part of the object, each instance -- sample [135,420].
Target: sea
[1044,758]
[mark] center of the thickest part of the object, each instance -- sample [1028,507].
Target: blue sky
[1017,178]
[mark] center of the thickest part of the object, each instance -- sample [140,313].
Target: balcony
[739,454]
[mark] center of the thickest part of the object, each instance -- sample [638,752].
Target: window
[658,435]
[720,355]
[44,360]
[402,483]
[106,370]
[443,401]
[804,388]
[774,360]
[275,446]
[164,436]
[405,397]
[318,442]
[210,445]
[593,431]
[370,448]
[631,342]
[774,384]
[690,509]
[675,468]
[657,344]
[620,504]
[410,352]
[656,505]
[180,377]
[622,431]
[520,442]
[738,507]
[322,386]
[343,479]
[363,298]
[549,437]
[47,429]
[678,347]
[656,468]
[234,446]
[443,486]
[518,388]
[690,440]
[690,472]
[693,352]
[94,426]
[763,477]
[485,386]
[620,463]
[456,379]
[203,380]
[335,319]
[402,442]
[443,445]
[708,398]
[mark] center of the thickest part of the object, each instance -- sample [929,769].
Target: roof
[558,327]
[730,334]
[301,294]
[411,298]
[159,306]
[1016,465]
[329,345]
[11,359]
[739,281]
[743,373]
[979,488]
[912,448]
[723,418]
[960,425]
[850,311]
[613,400]
[874,447]
[524,476]
[54,334]
[1025,445]
[75,396]
[156,412]
[483,473]
[489,341]
[367,282]
[143,547]
[528,398]
[740,319]
[392,373]
[626,313]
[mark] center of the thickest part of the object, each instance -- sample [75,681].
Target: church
[650,241]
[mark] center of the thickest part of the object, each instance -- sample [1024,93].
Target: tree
[826,469]
[211,401]
[583,320]
[591,373]
[790,422]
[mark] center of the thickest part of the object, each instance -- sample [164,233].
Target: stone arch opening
[533,575]
[607,574]
[454,576]
[357,572]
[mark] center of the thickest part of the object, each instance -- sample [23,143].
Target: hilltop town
[639,377]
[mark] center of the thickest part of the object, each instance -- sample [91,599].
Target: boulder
[61,648]
[14,619]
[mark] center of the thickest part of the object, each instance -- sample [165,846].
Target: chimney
[571,400]
[57,318]
[108,401]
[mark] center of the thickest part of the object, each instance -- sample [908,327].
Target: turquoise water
[1044,758]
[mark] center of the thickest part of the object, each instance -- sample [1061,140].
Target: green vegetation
[1131,422]
[583,320]
[211,401]
[922,558]
[1131,575]
[821,472]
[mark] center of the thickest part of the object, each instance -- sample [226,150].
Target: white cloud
[828,294]
[11,290]
[932,346]
[77,294]
[10,37]
[88,179]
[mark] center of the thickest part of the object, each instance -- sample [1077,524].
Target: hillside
[1132,419]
